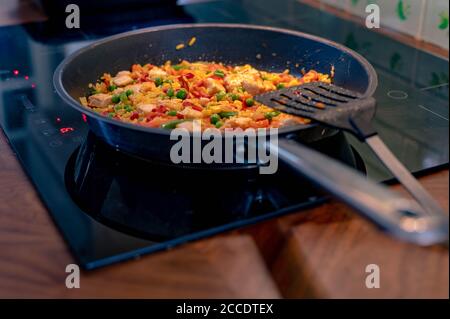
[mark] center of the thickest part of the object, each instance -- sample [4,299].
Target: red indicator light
[16,72]
[27,77]
[65,130]
[84,117]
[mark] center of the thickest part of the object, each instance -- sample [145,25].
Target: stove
[102,200]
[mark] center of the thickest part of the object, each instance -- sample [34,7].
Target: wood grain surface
[321,253]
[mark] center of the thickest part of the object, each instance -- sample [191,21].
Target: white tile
[358,7]
[436,23]
[400,15]
[403,15]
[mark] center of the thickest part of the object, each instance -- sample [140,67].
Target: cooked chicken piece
[258,116]
[242,122]
[118,90]
[233,81]
[146,107]
[100,100]
[204,101]
[136,88]
[253,87]
[191,114]
[244,73]
[122,80]
[122,73]
[156,73]
[213,86]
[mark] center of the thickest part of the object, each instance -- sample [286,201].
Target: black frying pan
[265,48]
[230,44]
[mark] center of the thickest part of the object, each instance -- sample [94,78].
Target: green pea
[115,98]
[227,114]
[112,87]
[172,124]
[111,114]
[249,102]
[128,108]
[214,118]
[123,97]
[172,113]
[181,94]
[280,86]
[218,124]
[159,81]
[219,73]
[129,92]
[170,92]
[235,97]
[271,115]
[220,96]
[118,107]
[177,67]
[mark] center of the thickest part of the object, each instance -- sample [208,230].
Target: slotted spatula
[343,109]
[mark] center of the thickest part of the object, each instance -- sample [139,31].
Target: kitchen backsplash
[427,20]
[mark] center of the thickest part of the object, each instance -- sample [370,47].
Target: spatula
[340,108]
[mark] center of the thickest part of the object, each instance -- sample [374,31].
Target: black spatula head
[325,103]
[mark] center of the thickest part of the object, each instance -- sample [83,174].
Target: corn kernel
[192,41]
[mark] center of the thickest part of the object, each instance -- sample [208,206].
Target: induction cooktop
[101,200]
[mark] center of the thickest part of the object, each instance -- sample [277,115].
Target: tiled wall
[427,20]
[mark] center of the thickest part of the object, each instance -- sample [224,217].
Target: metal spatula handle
[403,175]
[396,215]
[340,108]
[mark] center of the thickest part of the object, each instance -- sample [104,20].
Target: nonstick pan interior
[263,47]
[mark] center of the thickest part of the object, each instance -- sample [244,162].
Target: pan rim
[57,76]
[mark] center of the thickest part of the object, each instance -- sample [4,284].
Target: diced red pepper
[134,116]
[143,78]
[189,75]
[196,94]
[197,108]
[217,78]
[199,92]
[200,83]
[150,116]
[184,83]
[187,103]
[180,116]
[160,109]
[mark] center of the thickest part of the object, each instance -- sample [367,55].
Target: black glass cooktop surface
[110,207]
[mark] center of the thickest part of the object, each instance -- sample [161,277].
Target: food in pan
[172,96]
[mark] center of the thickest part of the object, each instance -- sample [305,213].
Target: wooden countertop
[322,252]
[319,253]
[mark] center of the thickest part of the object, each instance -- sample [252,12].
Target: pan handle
[403,175]
[396,215]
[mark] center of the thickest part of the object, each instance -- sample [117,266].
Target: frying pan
[265,48]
